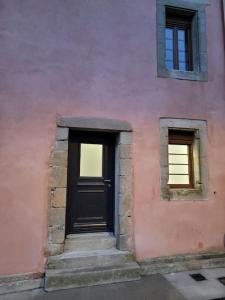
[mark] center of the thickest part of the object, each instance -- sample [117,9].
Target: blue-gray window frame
[199,43]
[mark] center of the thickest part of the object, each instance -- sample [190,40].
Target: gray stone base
[179,263]
[66,271]
[90,259]
[21,282]
[57,280]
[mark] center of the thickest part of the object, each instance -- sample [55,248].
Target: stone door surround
[58,180]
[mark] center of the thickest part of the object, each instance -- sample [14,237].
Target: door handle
[107,180]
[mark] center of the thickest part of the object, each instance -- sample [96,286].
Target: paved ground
[209,289]
[154,287]
[174,286]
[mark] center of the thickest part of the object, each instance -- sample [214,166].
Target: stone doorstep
[111,257]
[84,236]
[88,242]
[56,280]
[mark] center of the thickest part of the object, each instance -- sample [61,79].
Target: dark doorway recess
[91,182]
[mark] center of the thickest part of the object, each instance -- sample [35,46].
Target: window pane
[169,55]
[182,66]
[169,33]
[169,47]
[178,149]
[181,35]
[181,46]
[182,56]
[91,160]
[178,179]
[169,44]
[178,159]
[169,64]
[178,169]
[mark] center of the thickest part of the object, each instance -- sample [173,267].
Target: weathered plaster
[98,59]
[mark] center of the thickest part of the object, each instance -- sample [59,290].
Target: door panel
[90,197]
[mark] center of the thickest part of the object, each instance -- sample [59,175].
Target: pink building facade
[96,63]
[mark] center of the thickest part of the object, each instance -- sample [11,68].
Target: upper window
[181,39]
[178,39]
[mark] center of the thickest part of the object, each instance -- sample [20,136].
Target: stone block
[126,225]
[125,138]
[57,234]
[62,134]
[125,201]
[94,123]
[126,185]
[53,249]
[164,155]
[125,151]
[59,158]
[56,216]
[61,146]
[58,177]
[125,166]
[50,196]
[59,197]
[124,242]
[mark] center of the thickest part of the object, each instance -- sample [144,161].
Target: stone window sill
[183,75]
[186,194]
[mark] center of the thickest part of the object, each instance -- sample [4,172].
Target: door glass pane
[91,160]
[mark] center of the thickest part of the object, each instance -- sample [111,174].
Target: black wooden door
[90,196]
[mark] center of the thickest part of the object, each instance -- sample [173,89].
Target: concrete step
[87,242]
[64,279]
[111,257]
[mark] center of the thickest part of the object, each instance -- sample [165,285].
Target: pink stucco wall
[98,58]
